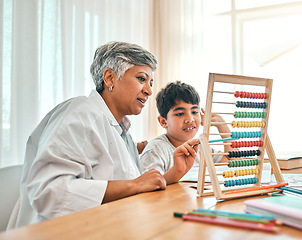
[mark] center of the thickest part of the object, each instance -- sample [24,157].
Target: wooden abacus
[244,187]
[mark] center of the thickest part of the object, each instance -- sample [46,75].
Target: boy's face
[182,123]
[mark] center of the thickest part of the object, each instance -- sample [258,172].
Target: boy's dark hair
[174,92]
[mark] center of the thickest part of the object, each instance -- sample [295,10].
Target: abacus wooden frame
[206,158]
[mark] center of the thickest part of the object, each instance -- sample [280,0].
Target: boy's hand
[222,128]
[185,154]
[184,157]
[214,118]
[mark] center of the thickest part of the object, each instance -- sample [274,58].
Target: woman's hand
[149,181]
[141,145]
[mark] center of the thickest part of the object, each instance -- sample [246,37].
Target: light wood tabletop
[147,216]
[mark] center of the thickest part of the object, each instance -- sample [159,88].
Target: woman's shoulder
[79,114]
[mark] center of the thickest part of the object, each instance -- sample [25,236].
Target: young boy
[178,106]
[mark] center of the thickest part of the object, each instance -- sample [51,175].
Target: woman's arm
[149,181]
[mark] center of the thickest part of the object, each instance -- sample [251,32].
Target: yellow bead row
[248,124]
[242,172]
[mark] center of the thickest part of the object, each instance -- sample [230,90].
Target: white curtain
[48,46]
[178,47]
[46,51]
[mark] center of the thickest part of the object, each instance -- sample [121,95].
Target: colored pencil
[275,194]
[236,215]
[222,140]
[258,188]
[289,189]
[237,218]
[230,222]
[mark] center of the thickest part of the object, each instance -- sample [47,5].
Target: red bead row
[240,144]
[251,95]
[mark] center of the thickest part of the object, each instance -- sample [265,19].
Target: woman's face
[132,91]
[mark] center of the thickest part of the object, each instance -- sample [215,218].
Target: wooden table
[147,216]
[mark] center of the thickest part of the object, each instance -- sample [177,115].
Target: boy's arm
[153,158]
[222,128]
[184,157]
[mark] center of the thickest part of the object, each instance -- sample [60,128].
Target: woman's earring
[110,88]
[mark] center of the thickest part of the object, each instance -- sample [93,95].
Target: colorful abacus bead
[243,172]
[239,144]
[246,124]
[238,154]
[240,104]
[250,115]
[238,182]
[246,134]
[243,163]
[242,94]
[228,174]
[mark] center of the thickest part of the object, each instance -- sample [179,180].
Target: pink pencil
[229,222]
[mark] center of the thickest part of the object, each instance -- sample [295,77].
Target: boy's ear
[162,121]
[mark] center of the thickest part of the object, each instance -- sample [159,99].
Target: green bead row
[250,114]
[243,163]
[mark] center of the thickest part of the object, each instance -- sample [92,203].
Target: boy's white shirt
[158,154]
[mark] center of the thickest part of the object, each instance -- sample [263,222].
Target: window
[261,39]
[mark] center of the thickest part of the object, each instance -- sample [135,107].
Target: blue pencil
[235,214]
[222,140]
[293,190]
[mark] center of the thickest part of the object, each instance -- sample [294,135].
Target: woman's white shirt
[70,157]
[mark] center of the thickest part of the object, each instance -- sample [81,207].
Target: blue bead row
[246,134]
[237,182]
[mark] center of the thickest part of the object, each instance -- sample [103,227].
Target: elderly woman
[81,154]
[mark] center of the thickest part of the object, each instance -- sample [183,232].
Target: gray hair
[119,57]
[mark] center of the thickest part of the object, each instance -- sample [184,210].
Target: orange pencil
[258,188]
